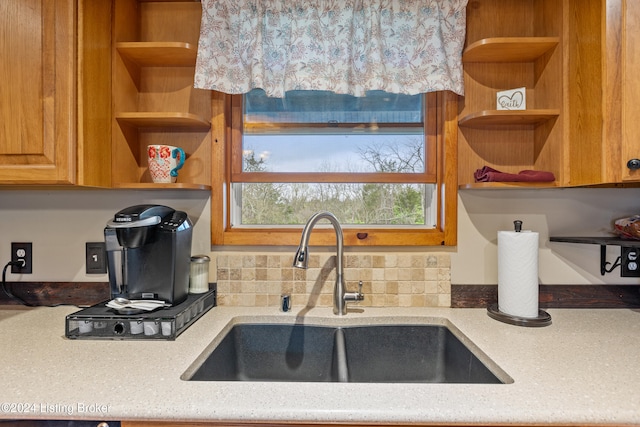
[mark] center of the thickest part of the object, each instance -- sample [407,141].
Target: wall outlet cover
[22,252]
[96,258]
[629,262]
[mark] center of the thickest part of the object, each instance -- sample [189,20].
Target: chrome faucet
[340,295]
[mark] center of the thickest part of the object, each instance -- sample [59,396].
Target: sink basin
[272,353]
[386,353]
[411,353]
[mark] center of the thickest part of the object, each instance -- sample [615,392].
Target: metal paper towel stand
[543,318]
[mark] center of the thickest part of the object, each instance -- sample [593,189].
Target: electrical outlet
[630,262]
[21,252]
[96,255]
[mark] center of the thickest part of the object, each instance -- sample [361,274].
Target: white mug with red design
[164,162]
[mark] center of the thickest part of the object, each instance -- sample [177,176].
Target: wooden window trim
[420,178]
[227,125]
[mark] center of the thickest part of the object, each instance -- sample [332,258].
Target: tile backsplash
[389,280]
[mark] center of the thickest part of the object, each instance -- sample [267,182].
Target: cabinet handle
[633,164]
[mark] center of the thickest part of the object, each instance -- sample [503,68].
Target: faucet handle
[359,295]
[355,296]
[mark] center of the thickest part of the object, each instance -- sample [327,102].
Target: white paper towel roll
[518,273]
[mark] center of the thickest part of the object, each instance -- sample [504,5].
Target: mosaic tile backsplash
[389,280]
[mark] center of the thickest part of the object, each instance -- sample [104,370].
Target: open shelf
[154,186]
[603,242]
[512,44]
[486,118]
[607,241]
[159,54]
[186,121]
[153,100]
[509,49]
[507,185]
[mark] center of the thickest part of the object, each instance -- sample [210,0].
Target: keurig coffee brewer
[149,253]
[149,260]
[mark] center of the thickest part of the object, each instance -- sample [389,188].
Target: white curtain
[344,46]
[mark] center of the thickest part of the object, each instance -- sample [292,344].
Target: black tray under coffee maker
[149,255]
[102,322]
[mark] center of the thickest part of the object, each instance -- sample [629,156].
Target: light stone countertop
[582,369]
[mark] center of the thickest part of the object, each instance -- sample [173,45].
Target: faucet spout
[340,295]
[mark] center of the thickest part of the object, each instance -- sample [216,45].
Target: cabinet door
[37,78]
[630,90]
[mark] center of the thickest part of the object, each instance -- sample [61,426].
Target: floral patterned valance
[344,46]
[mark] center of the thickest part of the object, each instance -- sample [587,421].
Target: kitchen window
[384,164]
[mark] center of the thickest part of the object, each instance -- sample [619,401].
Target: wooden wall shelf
[506,185]
[154,44]
[159,54]
[154,186]
[503,54]
[509,49]
[186,121]
[485,118]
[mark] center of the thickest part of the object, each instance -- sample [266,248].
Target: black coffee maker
[149,253]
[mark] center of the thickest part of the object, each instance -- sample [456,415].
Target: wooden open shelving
[186,121]
[163,186]
[486,118]
[506,185]
[503,53]
[509,49]
[155,48]
[159,54]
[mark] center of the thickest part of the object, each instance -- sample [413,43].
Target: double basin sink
[405,352]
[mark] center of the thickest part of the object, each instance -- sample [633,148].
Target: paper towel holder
[517,226]
[543,318]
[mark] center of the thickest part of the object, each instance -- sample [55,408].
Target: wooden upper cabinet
[37,105]
[618,159]
[604,132]
[626,14]
[88,84]
[579,62]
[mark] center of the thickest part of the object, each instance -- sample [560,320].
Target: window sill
[326,237]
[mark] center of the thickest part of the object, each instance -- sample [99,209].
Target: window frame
[441,129]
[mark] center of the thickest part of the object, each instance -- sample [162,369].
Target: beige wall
[60,222]
[550,212]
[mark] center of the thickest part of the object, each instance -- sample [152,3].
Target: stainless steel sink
[381,353]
